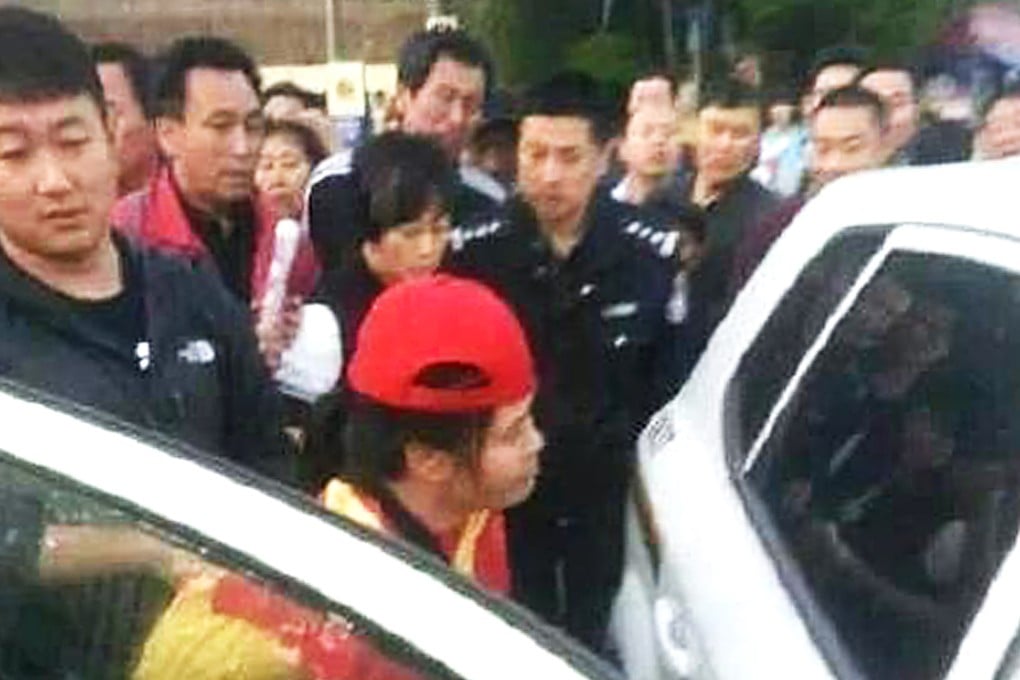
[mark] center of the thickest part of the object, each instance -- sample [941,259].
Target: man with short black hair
[908,141]
[203,204]
[590,279]
[90,317]
[998,134]
[847,132]
[729,135]
[443,78]
[127,82]
[832,68]
[654,88]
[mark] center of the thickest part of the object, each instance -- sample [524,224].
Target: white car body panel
[743,622]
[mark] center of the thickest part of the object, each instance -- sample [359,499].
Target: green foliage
[609,57]
[801,27]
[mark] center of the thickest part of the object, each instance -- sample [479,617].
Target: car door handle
[672,638]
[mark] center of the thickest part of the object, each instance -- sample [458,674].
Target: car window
[797,320]
[892,477]
[90,589]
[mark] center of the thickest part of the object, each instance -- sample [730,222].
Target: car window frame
[560,650]
[985,630]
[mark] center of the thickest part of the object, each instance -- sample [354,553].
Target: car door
[874,447]
[123,559]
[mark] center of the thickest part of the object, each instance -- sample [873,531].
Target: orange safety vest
[225,626]
[477,551]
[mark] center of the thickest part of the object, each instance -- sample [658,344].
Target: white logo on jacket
[199,351]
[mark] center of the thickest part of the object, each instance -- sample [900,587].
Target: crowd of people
[453,333]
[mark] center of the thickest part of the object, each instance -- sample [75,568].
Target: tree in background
[531,39]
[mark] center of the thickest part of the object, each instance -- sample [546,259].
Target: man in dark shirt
[729,134]
[847,134]
[590,278]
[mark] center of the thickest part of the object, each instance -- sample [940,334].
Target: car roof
[979,195]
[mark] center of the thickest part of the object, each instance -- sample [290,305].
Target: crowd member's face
[559,162]
[133,137]
[781,114]
[214,146]
[896,90]
[410,250]
[844,139]
[651,147]
[828,79]
[999,135]
[447,106]
[281,173]
[650,92]
[507,465]
[727,142]
[283,107]
[58,179]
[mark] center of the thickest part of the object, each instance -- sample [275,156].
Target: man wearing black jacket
[590,279]
[93,318]
[729,133]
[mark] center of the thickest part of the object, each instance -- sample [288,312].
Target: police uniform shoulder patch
[653,238]
[461,236]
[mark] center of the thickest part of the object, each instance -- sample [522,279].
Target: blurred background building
[275,31]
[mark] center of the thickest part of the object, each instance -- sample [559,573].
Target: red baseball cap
[421,332]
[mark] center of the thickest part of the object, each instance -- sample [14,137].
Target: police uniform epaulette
[461,236]
[660,241]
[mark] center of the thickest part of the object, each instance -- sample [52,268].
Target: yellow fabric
[342,498]
[191,641]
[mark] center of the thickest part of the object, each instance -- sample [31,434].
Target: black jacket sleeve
[252,409]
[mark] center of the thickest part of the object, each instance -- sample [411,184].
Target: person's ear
[428,464]
[402,101]
[169,135]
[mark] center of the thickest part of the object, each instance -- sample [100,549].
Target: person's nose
[243,141]
[53,176]
[550,170]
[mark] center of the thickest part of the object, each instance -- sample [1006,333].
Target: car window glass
[893,475]
[797,320]
[89,590]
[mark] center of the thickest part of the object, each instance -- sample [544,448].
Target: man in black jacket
[590,279]
[729,134]
[91,317]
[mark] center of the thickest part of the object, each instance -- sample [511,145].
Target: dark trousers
[567,562]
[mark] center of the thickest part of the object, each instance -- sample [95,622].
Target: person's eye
[13,153]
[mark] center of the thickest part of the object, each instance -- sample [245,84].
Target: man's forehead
[653,115]
[28,116]
[449,69]
[844,121]
[556,130]
[836,75]
[1008,107]
[737,115]
[888,80]
[212,86]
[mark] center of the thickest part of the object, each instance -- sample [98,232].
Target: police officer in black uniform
[590,279]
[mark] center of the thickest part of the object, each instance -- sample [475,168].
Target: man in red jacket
[203,204]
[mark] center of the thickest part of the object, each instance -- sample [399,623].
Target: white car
[835,492]
[74,471]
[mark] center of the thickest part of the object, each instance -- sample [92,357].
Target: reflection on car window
[893,474]
[798,319]
[87,591]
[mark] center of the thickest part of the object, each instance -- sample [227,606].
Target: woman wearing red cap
[440,440]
